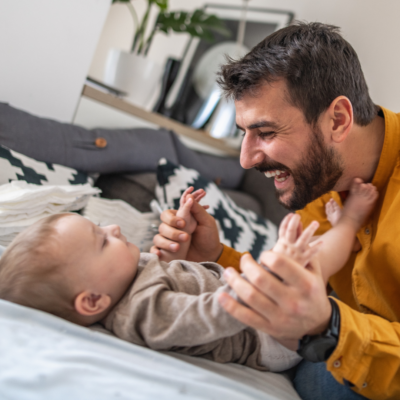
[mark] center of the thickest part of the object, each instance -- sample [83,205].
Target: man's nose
[250,154]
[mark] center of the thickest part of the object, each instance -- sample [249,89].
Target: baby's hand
[294,242]
[185,206]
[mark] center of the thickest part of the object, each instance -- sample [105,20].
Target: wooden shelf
[157,119]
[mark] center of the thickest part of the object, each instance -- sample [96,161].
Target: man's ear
[88,304]
[338,119]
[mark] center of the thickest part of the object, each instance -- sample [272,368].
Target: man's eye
[267,134]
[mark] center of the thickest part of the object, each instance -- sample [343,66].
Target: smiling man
[309,123]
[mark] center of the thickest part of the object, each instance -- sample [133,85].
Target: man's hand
[205,244]
[287,309]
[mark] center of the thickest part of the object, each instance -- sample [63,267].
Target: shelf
[157,119]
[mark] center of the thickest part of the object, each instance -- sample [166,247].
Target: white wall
[46,47]
[371,26]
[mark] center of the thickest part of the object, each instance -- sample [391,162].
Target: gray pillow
[107,150]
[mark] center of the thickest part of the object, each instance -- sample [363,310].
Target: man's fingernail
[173,247]
[222,300]
[182,237]
[228,272]
[180,224]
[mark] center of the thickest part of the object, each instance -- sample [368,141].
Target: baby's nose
[115,230]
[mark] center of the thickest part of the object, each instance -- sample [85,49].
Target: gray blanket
[174,306]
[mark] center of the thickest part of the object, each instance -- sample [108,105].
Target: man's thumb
[200,214]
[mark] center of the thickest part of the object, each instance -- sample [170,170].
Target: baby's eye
[105,241]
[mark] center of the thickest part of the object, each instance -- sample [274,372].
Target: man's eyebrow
[260,124]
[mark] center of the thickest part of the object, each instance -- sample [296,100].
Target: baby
[67,266]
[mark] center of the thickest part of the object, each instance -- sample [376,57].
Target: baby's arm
[184,211]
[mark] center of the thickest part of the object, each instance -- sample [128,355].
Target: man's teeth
[276,173]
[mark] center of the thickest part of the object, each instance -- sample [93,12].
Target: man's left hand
[289,308]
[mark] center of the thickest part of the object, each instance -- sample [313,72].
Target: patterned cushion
[16,166]
[239,228]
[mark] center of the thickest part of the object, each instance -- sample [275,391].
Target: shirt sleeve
[230,258]
[367,354]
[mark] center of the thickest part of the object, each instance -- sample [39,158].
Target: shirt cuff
[230,258]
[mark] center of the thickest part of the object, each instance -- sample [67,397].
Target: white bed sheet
[45,357]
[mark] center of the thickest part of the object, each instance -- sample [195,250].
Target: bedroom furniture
[157,119]
[43,356]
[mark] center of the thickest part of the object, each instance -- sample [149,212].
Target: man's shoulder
[315,211]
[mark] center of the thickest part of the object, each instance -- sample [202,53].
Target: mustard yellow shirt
[368,286]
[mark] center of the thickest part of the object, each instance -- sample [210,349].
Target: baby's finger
[183,199]
[284,224]
[291,231]
[307,234]
[312,251]
[206,207]
[199,194]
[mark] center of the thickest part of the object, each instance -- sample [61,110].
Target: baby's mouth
[278,174]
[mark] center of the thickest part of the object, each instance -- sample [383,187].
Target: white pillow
[16,166]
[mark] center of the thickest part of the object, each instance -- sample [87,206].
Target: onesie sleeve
[367,354]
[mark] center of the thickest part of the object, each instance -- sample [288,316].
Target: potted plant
[134,72]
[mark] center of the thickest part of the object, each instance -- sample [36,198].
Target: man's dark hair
[315,61]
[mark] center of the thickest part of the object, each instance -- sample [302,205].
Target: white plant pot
[137,75]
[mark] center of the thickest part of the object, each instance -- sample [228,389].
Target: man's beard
[317,174]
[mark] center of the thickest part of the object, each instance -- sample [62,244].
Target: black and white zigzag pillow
[241,229]
[16,166]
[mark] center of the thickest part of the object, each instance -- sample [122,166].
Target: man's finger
[243,314]
[248,293]
[165,244]
[292,273]
[155,250]
[176,235]
[263,280]
[201,215]
[169,217]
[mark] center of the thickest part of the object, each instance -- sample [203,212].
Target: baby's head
[69,267]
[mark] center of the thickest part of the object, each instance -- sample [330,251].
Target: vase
[134,74]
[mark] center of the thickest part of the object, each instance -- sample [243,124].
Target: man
[308,121]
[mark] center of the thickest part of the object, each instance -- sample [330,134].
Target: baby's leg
[275,356]
[338,242]
[360,202]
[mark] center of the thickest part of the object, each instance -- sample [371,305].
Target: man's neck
[362,152]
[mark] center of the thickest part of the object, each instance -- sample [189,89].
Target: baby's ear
[88,304]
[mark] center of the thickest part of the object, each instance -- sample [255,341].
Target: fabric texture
[368,286]
[238,228]
[174,306]
[126,150]
[313,382]
[16,166]
[46,357]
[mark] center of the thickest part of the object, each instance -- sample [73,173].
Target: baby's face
[101,258]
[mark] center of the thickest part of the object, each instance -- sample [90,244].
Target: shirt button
[367,231]
[100,142]
[337,364]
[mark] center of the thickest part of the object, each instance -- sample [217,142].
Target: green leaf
[162,4]
[198,24]
[120,1]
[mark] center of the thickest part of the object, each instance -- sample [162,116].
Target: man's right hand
[205,244]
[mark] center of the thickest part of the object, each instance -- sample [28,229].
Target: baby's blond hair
[32,273]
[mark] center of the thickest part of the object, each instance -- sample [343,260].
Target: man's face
[280,143]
